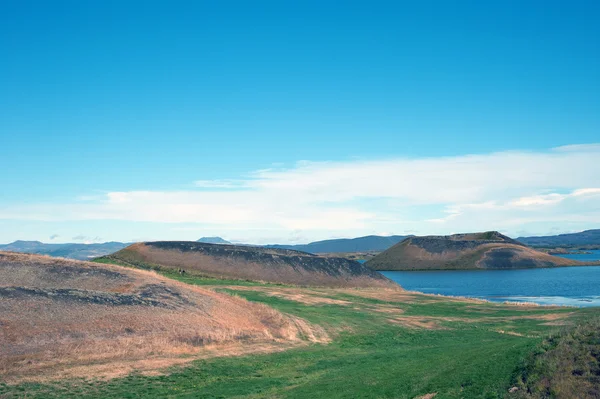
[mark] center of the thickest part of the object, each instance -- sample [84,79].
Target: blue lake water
[592,255]
[573,286]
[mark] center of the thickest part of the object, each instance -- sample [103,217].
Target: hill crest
[486,250]
[282,266]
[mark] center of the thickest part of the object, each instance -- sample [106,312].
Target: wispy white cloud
[86,239]
[221,184]
[505,190]
[580,207]
[554,198]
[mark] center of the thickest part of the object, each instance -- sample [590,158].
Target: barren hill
[251,263]
[61,317]
[489,250]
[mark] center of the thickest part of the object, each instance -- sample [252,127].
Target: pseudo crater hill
[487,250]
[222,261]
[61,317]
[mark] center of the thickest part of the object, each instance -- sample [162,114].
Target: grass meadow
[382,344]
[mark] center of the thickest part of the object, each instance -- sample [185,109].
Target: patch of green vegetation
[488,235]
[201,280]
[370,355]
[564,365]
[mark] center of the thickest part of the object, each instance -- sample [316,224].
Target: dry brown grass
[386,294]
[428,396]
[60,317]
[435,322]
[302,295]
[395,312]
[516,334]
[257,264]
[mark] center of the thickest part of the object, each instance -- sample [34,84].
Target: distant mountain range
[89,251]
[381,243]
[213,240]
[69,250]
[584,238]
[360,244]
[343,245]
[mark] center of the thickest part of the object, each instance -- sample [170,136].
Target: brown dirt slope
[251,263]
[61,317]
[489,250]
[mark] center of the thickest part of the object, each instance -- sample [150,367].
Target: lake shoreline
[573,286]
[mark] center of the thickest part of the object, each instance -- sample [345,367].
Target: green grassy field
[383,345]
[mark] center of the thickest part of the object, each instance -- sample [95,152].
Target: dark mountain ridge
[584,238]
[372,243]
[342,245]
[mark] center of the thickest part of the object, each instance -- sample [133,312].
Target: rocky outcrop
[251,263]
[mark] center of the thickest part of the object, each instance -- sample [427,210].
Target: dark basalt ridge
[264,264]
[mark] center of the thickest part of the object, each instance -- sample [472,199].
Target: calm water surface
[574,286]
[593,255]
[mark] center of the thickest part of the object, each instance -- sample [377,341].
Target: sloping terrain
[251,263]
[60,317]
[359,244]
[384,343]
[490,250]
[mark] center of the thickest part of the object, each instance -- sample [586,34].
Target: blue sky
[295,121]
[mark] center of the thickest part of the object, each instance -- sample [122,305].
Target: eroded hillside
[251,263]
[489,250]
[68,318]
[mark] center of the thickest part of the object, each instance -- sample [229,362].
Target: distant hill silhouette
[372,243]
[68,250]
[488,250]
[588,237]
[213,240]
[360,244]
